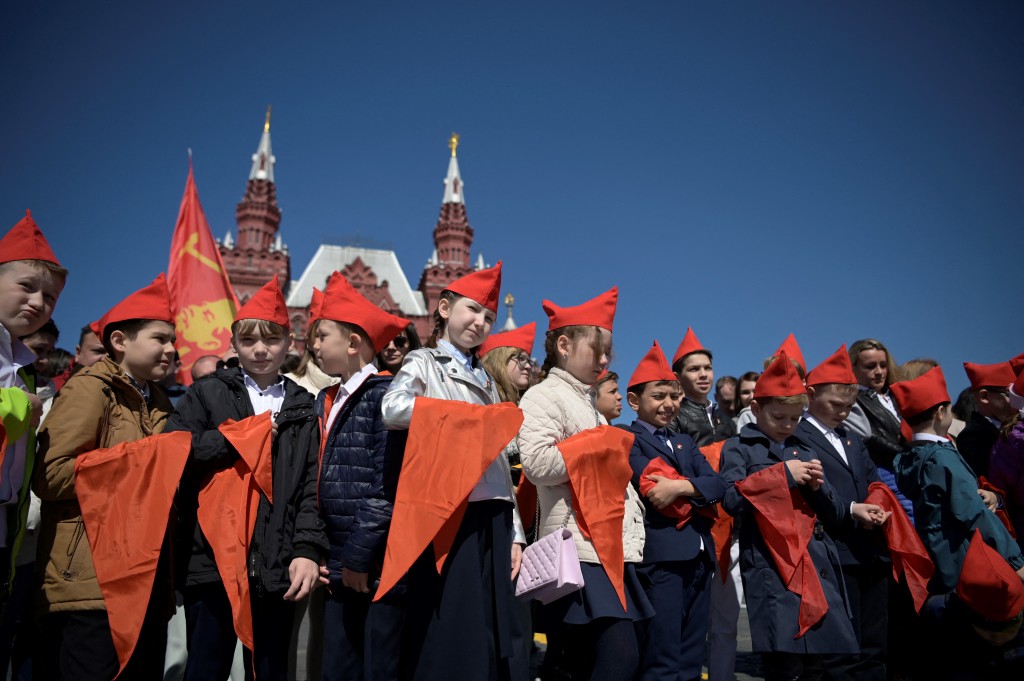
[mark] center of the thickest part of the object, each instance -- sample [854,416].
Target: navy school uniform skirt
[598,599]
[464,623]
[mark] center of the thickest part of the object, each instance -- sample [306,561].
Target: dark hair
[749,376]
[925,416]
[291,363]
[639,388]
[965,404]
[59,360]
[607,376]
[413,340]
[129,327]
[573,333]
[86,330]
[677,365]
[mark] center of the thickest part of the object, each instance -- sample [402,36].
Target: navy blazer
[856,546]
[664,542]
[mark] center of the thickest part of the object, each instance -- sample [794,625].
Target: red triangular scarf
[786,522]
[1001,513]
[909,556]
[125,494]
[597,461]
[227,511]
[721,530]
[680,509]
[451,444]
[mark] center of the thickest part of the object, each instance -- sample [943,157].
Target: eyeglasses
[400,342]
[523,361]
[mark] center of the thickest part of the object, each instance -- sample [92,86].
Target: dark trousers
[792,667]
[673,640]
[867,590]
[211,634]
[362,640]
[17,631]
[77,646]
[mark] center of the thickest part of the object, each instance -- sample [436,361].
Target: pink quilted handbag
[550,568]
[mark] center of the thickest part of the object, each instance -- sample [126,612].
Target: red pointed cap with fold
[266,304]
[653,367]
[998,375]
[835,369]
[342,303]
[792,349]
[988,585]
[688,346]
[521,338]
[152,302]
[920,394]
[780,379]
[1017,364]
[482,286]
[316,301]
[25,241]
[599,311]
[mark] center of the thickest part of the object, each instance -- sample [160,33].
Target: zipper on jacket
[76,538]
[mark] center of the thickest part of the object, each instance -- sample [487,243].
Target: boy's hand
[273,427]
[808,473]
[870,515]
[304,574]
[357,581]
[517,560]
[667,490]
[991,499]
[325,574]
[37,409]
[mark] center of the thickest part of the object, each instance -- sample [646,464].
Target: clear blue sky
[838,170]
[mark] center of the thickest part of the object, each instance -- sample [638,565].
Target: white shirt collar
[930,437]
[810,418]
[272,389]
[352,384]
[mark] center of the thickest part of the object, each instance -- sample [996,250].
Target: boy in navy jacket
[359,468]
[674,478]
[832,392]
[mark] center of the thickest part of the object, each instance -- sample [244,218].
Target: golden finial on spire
[266,124]
[453,143]
[509,300]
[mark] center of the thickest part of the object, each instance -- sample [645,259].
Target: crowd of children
[404,483]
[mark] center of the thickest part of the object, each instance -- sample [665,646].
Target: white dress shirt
[830,435]
[262,400]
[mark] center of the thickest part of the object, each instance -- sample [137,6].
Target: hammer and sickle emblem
[190,249]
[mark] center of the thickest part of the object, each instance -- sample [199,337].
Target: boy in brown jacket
[114,401]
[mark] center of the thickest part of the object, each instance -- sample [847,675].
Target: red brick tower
[453,237]
[258,253]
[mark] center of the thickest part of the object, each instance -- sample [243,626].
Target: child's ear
[755,408]
[563,345]
[633,400]
[117,340]
[444,308]
[355,342]
[811,392]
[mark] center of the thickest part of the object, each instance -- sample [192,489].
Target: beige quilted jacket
[553,410]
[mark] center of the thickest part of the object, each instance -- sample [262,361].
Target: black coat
[975,443]
[358,479]
[885,441]
[290,527]
[692,420]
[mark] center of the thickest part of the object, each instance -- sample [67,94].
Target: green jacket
[947,510]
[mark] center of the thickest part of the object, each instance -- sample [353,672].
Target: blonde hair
[915,368]
[841,389]
[574,334]
[53,268]
[496,364]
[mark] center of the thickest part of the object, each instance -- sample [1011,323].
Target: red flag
[681,509]
[597,461]
[227,511]
[1004,517]
[450,446]
[786,522]
[125,493]
[909,556]
[721,530]
[202,299]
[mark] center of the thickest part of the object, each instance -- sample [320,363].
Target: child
[792,641]
[698,417]
[463,620]
[116,400]
[288,543]
[831,393]
[948,506]
[357,484]
[31,280]
[598,633]
[607,398]
[679,558]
